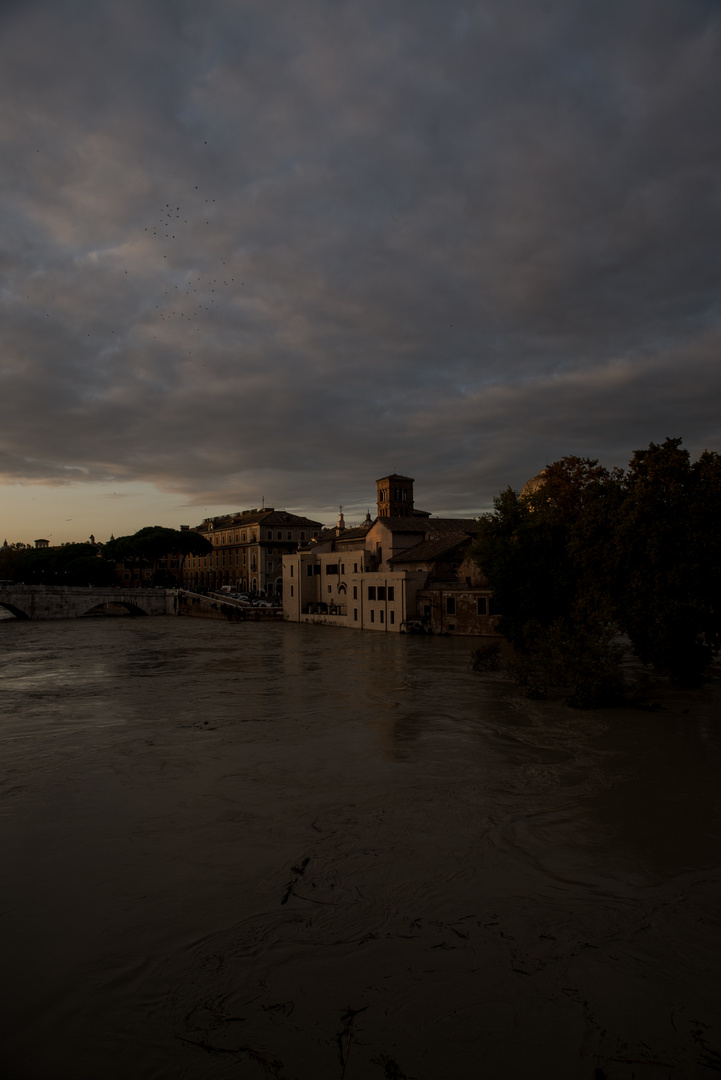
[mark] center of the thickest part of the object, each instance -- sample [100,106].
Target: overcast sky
[274,250]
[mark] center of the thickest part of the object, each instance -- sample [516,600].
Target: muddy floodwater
[250,851]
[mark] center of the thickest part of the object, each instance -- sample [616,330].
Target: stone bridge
[59,602]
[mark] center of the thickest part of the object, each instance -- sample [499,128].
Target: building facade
[404,572]
[248,550]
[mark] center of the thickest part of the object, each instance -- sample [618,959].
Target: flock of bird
[204,296]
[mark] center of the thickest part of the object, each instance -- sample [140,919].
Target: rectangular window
[381,616]
[373,616]
[391,592]
[302,535]
[280,535]
[330,588]
[450,605]
[291,571]
[355,592]
[355,567]
[392,617]
[331,568]
[481,606]
[316,570]
[371,592]
[309,570]
[381,592]
[355,612]
[290,536]
[342,568]
[291,590]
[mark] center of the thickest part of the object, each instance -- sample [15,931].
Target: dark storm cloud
[312,242]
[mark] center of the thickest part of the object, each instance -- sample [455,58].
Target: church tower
[395,496]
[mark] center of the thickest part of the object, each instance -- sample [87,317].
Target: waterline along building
[405,571]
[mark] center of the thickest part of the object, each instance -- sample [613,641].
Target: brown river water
[252,851]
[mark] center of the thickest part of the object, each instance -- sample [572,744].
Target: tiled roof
[430,549]
[256,517]
[449,526]
[280,517]
[353,534]
[404,524]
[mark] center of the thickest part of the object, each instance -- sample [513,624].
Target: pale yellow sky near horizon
[66,513]
[71,512]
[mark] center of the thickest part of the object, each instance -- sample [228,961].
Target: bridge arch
[132,609]
[13,610]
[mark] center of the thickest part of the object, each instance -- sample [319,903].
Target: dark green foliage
[487,657]
[70,564]
[576,661]
[11,555]
[592,554]
[154,543]
[668,580]
[89,570]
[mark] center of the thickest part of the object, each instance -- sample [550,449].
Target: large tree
[668,558]
[68,564]
[590,554]
[155,542]
[546,559]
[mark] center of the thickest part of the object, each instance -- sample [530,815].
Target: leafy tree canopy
[592,553]
[154,542]
[49,566]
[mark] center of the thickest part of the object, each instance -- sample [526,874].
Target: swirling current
[252,851]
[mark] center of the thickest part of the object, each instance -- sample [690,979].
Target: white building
[404,571]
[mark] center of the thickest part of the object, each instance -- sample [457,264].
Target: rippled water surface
[240,851]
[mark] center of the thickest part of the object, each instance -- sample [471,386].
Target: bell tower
[395,496]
